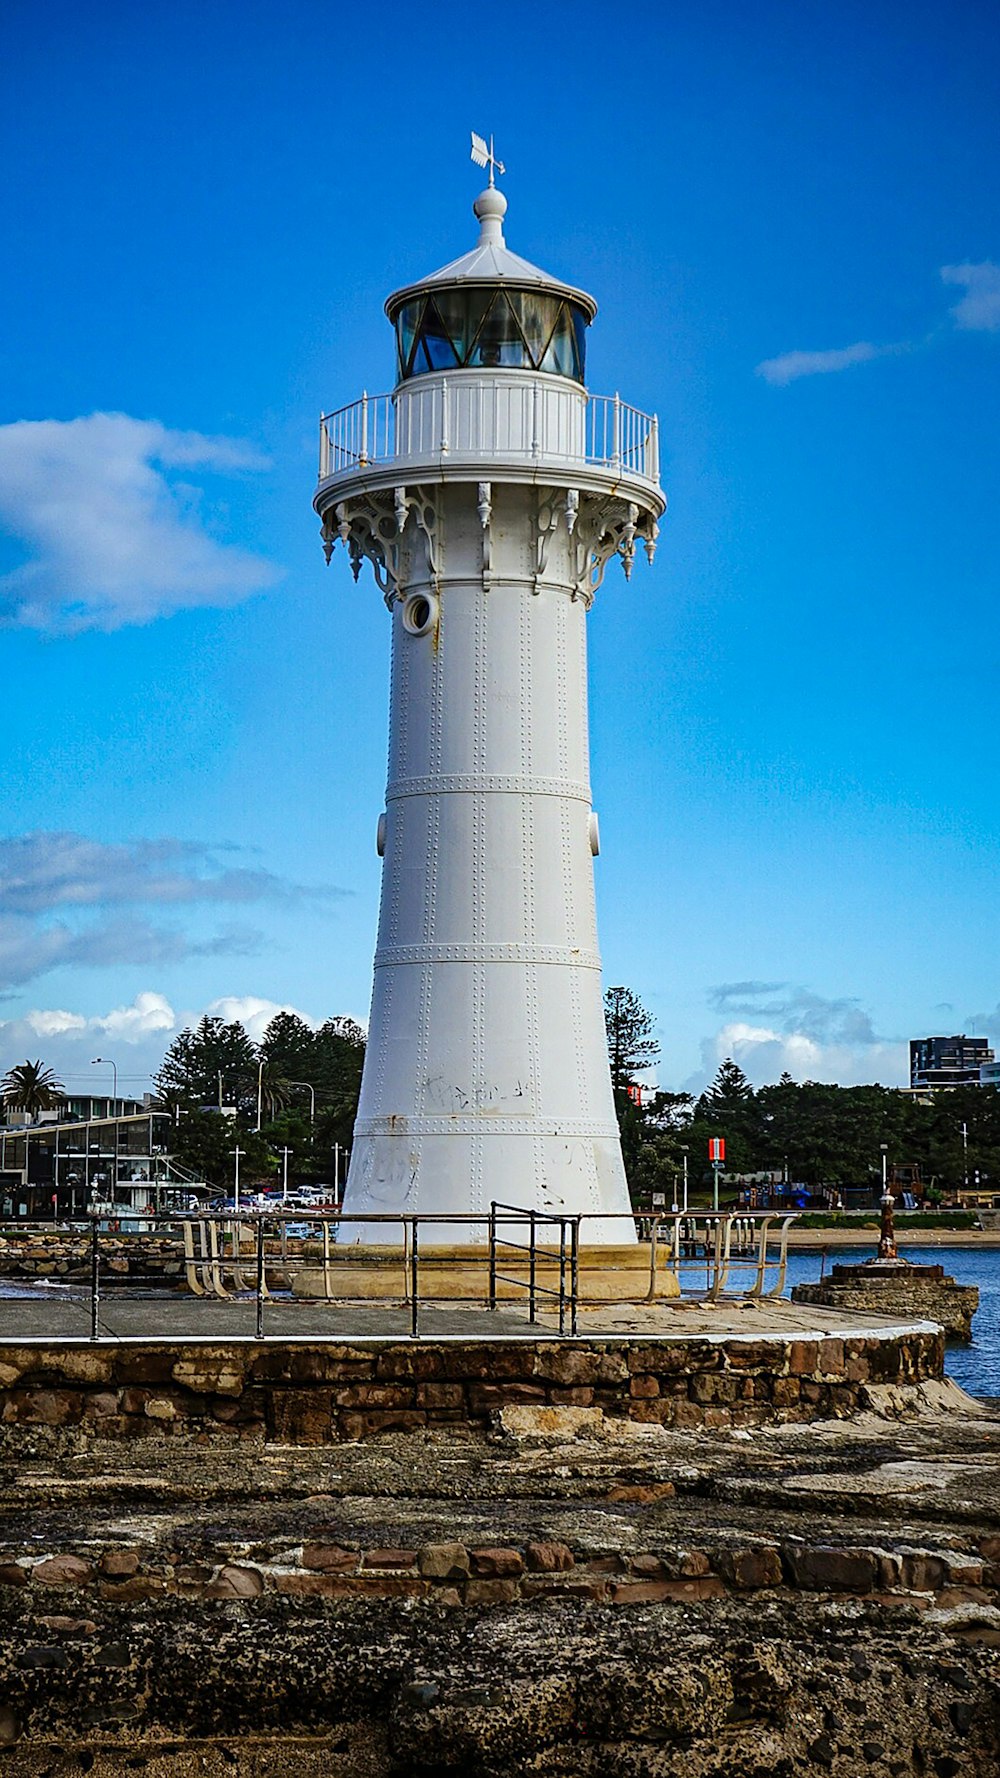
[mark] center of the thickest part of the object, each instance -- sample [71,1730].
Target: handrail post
[654,1236]
[493,1255]
[324,448]
[654,443]
[616,455]
[95,1277]
[562,1274]
[574,1274]
[259,1334]
[531,1269]
[414,1283]
[363,454]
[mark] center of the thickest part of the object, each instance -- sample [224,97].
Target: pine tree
[190,1072]
[631,1044]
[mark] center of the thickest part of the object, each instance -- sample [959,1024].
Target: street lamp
[965,1154]
[884,1146]
[106,1060]
[236,1152]
[311,1090]
[284,1175]
[684,1152]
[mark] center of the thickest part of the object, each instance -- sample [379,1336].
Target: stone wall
[62,1255]
[712,1566]
[320,1393]
[934,1298]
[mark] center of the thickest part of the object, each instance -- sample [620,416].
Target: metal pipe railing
[213,1249]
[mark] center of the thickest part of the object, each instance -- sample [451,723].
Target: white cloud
[979,308]
[792,365]
[55,1023]
[148,1013]
[112,538]
[790,1029]
[252,1012]
[136,1036]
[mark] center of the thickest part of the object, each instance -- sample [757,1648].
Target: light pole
[236,1152]
[965,1154]
[684,1152]
[284,1175]
[260,1094]
[887,1233]
[311,1090]
[106,1060]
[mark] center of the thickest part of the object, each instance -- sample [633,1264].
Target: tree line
[823,1135]
[301,1086]
[820,1134]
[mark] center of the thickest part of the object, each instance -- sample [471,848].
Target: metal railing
[622,437]
[356,435]
[567,1259]
[247,1255]
[617,436]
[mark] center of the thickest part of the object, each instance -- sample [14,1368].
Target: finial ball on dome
[490,207]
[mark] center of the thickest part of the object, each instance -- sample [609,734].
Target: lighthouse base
[607,1274]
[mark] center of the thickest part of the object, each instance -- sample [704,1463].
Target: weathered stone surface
[119,1564]
[444,1561]
[834,1570]
[61,1571]
[497,1562]
[558,1671]
[548,1558]
[329,1558]
[233,1582]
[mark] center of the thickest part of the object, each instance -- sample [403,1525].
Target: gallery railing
[612,434]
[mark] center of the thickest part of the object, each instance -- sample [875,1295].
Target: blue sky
[789,217]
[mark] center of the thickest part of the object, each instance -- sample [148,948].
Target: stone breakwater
[784,1603]
[889,1571]
[917,1291]
[318,1393]
[123,1257]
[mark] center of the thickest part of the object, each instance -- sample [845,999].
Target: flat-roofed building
[937,1062]
[58,1169]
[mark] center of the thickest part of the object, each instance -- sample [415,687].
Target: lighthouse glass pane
[437,343]
[500,343]
[560,355]
[407,322]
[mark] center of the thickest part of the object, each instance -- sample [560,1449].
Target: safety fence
[519,1259]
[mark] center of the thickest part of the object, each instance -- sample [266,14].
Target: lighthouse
[489,492]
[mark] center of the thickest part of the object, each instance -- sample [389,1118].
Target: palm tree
[31,1088]
[274,1090]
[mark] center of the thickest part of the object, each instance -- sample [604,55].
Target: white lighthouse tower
[489,491]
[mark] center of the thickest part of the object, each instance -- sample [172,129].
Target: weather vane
[484,157]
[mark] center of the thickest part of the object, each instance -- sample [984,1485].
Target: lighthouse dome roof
[492,262]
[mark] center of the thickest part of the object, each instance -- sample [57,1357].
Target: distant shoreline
[816,1240]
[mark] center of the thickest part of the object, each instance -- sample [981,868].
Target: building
[937,1062]
[489,491]
[58,1169]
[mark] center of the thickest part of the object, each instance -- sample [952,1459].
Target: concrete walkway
[182,1317]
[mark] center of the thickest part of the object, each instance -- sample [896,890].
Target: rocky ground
[647,1603]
